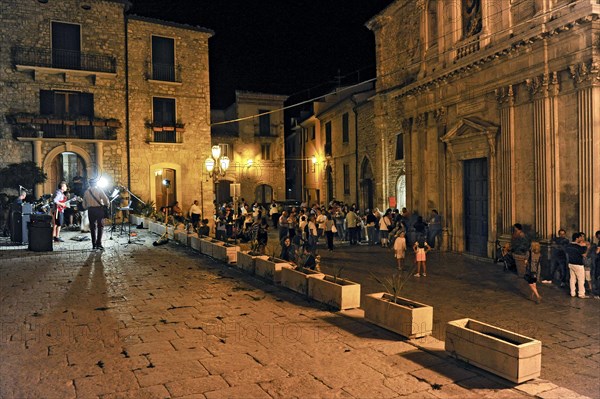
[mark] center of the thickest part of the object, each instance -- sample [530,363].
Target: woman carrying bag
[532,270]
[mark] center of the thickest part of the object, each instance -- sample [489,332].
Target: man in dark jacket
[575,251]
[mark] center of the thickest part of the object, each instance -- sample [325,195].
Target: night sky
[291,47]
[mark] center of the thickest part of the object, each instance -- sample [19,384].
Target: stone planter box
[247,262]
[226,252]
[181,236]
[406,317]
[156,228]
[146,222]
[297,279]
[207,246]
[512,356]
[269,268]
[341,294]
[135,219]
[195,242]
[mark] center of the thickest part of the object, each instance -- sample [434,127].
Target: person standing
[274,213]
[385,225]
[519,245]
[533,270]
[195,213]
[575,251]
[434,230]
[94,201]
[400,249]
[421,248]
[558,258]
[329,226]
[60,203]
[21,198]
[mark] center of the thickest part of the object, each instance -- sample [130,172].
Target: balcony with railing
[271,131]
[163,72]
[71,128]
[165,133]
[31,58]
[467,47]
[328,149]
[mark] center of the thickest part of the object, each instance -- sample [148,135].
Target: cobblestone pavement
[144,321]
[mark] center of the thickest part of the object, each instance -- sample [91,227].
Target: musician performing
[94,201]
[60,203]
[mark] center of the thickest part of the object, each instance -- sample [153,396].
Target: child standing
[421,248]
[400,248]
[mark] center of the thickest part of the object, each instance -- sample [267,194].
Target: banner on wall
[392,202]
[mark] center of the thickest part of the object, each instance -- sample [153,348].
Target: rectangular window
[66,45]
[346,179]
[305,134]
[66,103]
[400,147]
[164,111]
[265,151]
[163,58]
[264,123]
[313,133]
[345,128]
[226,150]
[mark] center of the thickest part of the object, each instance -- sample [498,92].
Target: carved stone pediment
[469,128]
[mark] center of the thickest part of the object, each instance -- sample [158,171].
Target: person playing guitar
[60,203]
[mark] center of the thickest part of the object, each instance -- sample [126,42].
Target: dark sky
[277,46]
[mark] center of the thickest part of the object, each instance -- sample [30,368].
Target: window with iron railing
[163,59]
[328,139]
[265,151]
[264,123]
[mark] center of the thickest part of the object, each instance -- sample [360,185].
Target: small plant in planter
[393,284]
[112,122]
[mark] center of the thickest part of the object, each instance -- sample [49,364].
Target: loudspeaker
[40,236]
[18,227]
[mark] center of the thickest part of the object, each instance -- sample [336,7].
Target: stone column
[544,90]
[99,147]
[506,102]
[38,190]
[587,82]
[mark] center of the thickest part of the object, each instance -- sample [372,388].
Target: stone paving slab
[140,321]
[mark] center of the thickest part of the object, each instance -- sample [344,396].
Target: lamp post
[216,166]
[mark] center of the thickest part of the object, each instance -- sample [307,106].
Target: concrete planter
[157,228]
[297,279]
[510,355]
[246,262]
[195,242]
[226,252]
[182,237]
[341,294]
[405,317]
[269,268]
[208,245]
[146,222]
[135,219]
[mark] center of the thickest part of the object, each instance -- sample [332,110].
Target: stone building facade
[251,133]
[496,107]
[89,90]
[337,158]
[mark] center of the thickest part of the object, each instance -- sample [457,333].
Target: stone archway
[50,158]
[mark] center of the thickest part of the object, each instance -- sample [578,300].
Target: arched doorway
[401,192]
[366,184]
[67,166]
[166,187]
[329,177]
[263,194]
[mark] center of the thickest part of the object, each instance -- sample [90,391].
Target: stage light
[103,182]
[115,192]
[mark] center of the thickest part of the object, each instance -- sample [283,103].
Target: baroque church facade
[489,112]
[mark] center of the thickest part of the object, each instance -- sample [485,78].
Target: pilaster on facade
[506,103]
[586,77]
[544,90]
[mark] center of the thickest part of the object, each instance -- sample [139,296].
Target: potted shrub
[23,118]
[68,122]
[40,119]
[112,122]
[55,120]
[179,126]
[334,291]
[98,123]
[82,121]
[403,316]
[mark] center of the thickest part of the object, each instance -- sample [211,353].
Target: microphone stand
[128,209]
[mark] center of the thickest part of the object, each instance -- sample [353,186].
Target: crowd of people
[574,263]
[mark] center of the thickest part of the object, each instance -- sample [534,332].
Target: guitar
[62,205]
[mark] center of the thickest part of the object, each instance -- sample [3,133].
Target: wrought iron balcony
[163,72]
[63,59]
[48,131]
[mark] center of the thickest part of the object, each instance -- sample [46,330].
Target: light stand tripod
[128,208]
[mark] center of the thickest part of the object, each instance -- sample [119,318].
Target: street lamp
[216,165]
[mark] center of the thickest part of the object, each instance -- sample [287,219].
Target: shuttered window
[164,111]
[163,58]
[66,103]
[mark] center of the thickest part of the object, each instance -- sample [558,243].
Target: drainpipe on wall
[127,137]
[355,148]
